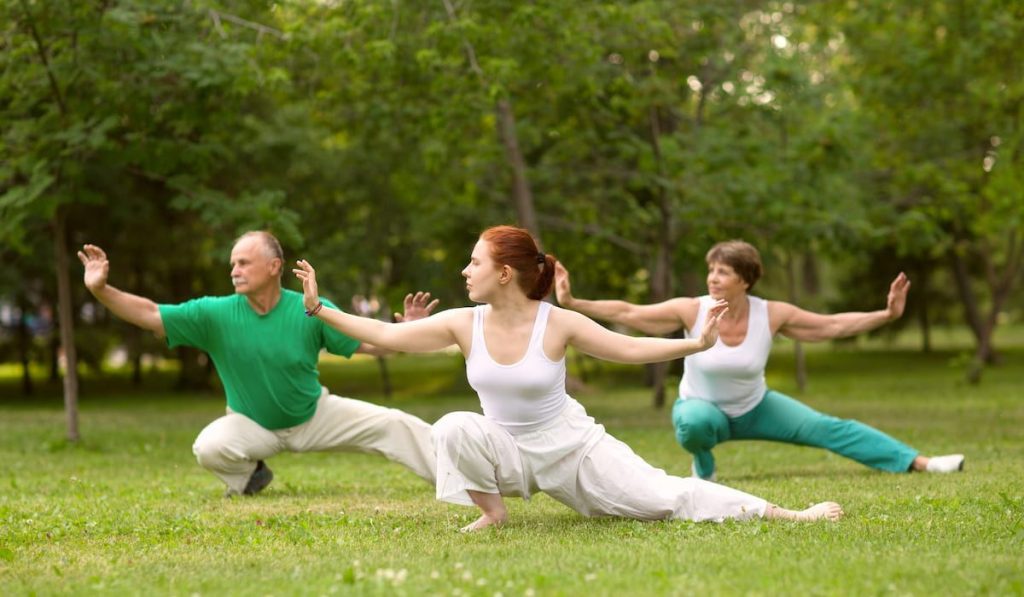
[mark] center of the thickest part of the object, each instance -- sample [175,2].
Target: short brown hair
[740,256]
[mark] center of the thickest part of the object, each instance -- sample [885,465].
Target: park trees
[378,137]
[126,113]
[940,85]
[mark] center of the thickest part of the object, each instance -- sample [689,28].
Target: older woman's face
[724,282]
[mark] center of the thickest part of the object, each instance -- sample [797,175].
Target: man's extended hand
[97,267]
[416,306]
[310,293]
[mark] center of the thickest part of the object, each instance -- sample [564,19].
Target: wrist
[312,311]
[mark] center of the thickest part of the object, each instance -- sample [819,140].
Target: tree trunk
[24,347]
[661,278]
[798,348]
[1001,285]
[135,354]
[809,278]
[194,374]
[135,336]
[923,321]
[661,290]
[522,197]
[385,377]
[972,312]
[54,353]
[67,331]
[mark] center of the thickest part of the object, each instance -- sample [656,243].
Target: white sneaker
[949,463]
[693,471]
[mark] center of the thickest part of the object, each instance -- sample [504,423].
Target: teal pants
[700,426]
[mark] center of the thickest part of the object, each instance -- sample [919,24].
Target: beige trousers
[230,446]
[576,462]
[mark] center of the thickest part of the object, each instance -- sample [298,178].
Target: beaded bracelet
[315,310]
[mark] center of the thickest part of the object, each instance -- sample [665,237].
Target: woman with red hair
[532,436]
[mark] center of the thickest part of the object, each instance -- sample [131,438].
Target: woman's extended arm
[659,318]
[424,335]
[595,340]
[798,324]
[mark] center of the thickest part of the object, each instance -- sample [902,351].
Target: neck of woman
[513,307]
[739,306]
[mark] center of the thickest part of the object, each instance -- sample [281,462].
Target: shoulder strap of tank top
[698,323]
[478,328]
[541,323]
[759,314]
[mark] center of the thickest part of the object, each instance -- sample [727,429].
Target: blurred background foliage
[847,140]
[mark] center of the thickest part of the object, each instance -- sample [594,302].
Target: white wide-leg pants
[576,462]
[230,446]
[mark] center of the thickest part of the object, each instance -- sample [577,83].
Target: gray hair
[271,246]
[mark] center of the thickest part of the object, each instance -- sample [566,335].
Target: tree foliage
[373,138]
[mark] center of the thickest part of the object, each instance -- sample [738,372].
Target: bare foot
[823,511]
[830,511]
[483,522]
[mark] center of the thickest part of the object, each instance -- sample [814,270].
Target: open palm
[310,294]
[97,267]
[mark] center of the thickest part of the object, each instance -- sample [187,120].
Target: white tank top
[522,397]
[730,376]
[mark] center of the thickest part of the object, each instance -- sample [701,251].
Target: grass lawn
[128,511]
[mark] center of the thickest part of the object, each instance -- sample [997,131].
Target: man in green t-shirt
[266,348]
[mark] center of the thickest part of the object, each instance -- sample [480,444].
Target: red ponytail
[515,248]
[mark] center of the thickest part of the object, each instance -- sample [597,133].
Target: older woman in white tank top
[532,436]
[723,396]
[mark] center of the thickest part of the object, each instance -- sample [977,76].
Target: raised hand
[563,289]
[897,299]
[418,306]
[306,273]
[97,267]
[709,332]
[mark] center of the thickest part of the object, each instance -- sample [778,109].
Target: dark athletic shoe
[261,477]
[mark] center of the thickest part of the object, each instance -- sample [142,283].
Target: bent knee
[697,428]
[454,425]
[693,437]
[455,429]
[208,451]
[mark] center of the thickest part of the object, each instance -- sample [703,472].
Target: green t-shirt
[267,363]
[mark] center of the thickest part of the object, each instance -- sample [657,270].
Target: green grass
[127,510]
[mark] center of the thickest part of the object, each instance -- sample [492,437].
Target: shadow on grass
[804,474]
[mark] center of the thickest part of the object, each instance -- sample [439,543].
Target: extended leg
[346,424]
[781,418]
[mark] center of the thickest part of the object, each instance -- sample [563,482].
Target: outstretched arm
[798,324]
[595,340]
[657,319]
[424,335]
[134,309]
[418,306]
